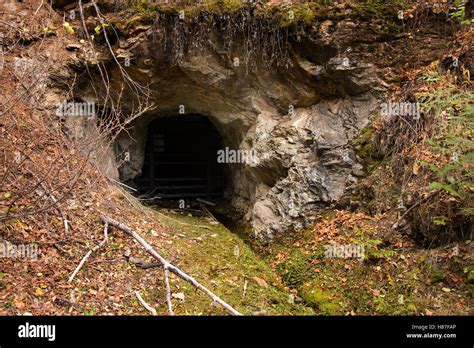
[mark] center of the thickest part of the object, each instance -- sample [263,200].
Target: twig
[168,291]
[166,264]
[121,183]
[149,199]
[401,218]
[206,202]
[146,305]
[208,212]
[55,201]
[106,261]
[202,226]
[41,5]
[106,237]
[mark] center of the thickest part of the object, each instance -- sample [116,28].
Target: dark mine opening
[181,159]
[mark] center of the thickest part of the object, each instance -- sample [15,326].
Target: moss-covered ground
[221,261]
[397,280]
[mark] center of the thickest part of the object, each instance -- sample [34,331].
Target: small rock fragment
[260,282]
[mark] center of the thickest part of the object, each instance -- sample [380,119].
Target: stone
[300,120]
[260,282]
[73,47]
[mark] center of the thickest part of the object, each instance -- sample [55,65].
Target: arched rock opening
[180,159]
[300,121]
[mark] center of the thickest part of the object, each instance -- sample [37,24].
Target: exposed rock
[73,47]
[299,119]
[260,282]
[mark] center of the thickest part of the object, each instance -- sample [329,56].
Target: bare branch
[144,304]
[106,237]
[166,265]
[168,291]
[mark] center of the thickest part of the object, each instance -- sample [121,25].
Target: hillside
[355,198]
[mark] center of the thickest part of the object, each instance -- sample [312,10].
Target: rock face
[312,152]
[299,118]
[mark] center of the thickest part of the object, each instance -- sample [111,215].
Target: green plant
[89,311]
[452,107]
[314,296]
[470,274]
[69,28]
[296,270]
[459,12]
[436,275]
[99,27]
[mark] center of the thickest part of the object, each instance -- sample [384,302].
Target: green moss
[381,9]
[470,274]
[139,6]
[436,275]
[282,15]
[364,146]
[374,253]
[297,14]
[319,299]
[296,269]
[225,5]
[223,262]
[384,11]
[164,9]
[411,307]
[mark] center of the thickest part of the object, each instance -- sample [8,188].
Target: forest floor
[400,279]
[291,277]
[107,282]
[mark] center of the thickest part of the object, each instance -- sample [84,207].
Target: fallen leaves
[19,303]
[375,292]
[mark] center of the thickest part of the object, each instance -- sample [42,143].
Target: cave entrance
[181,159]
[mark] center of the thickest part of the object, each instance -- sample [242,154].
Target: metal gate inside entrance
[181,159]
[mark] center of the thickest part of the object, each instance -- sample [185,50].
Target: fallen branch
[146,305]
[55,201]
[168,291]
[41,5]
[166,265]
[206,202]
[208,212]
[106,237]
[143,264]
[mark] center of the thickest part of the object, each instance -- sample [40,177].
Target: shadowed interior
[181,159]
